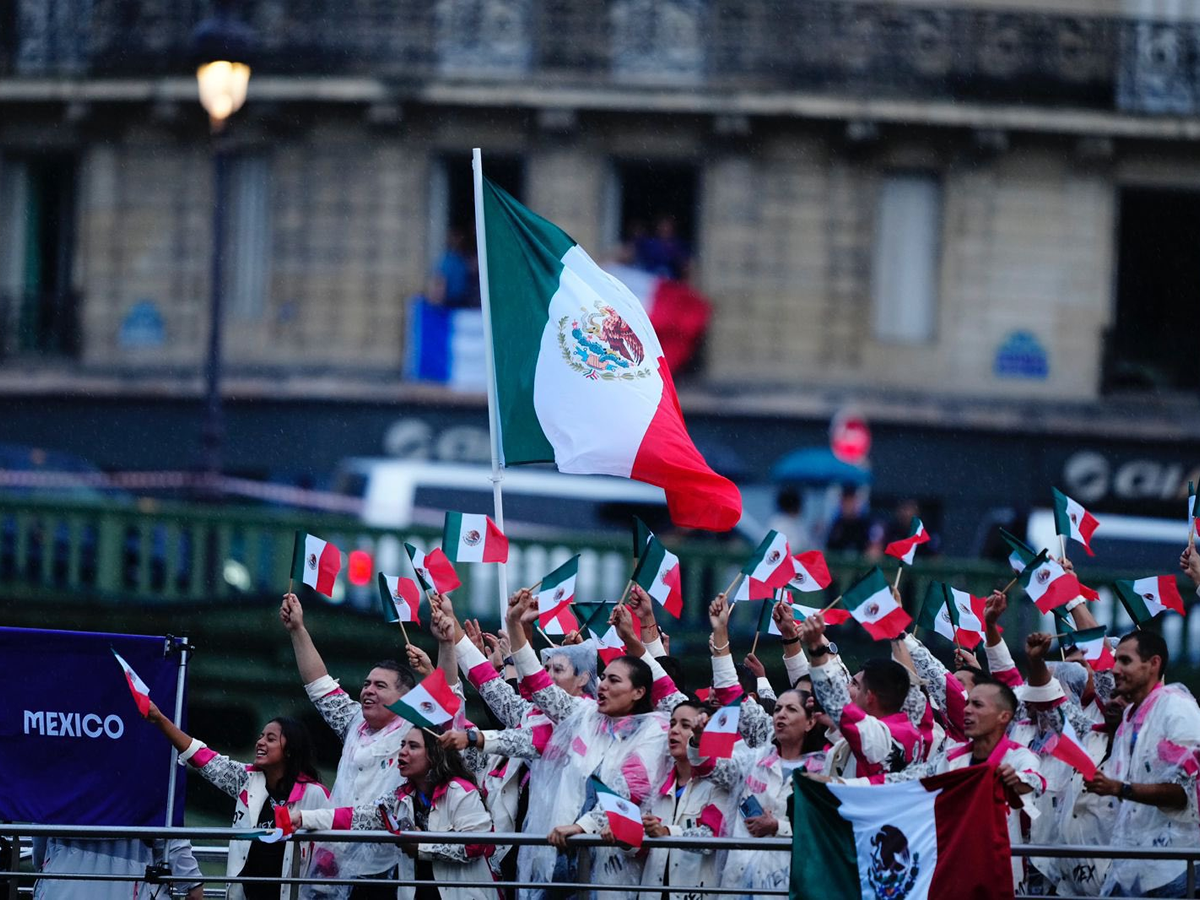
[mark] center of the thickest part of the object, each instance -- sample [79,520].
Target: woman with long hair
[283,774]
[439,794]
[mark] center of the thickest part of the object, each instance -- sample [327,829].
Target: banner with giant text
[73,748]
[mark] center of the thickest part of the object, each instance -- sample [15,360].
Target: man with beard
[1152,770]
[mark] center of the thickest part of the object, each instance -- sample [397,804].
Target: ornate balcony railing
[843,47]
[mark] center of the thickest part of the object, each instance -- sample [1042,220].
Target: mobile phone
[750,807]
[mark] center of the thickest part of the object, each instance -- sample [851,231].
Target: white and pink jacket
[248,786]
[699,809]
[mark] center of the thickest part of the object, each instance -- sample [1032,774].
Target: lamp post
[221,48]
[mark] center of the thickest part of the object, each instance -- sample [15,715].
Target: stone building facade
[932,199]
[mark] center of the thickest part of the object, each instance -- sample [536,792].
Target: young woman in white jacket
[283,774]
[439,794]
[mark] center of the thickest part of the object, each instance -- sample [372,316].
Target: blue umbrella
[818,465]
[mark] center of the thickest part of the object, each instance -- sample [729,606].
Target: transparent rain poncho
[628,754]
[582,658]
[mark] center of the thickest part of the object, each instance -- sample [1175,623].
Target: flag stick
[1005,589]
[289,585]
[1062,545]
[732,585]
[625,593]
[896,583]
[832,605]
[430,731]
[546,636]
[485,299]
[403,630]
[534,588]
[754,646]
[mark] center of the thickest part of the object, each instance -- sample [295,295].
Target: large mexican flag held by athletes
[580,375]
[940,837]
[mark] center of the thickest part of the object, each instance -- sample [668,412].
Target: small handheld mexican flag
[624,818]
[832,616]
[769,568]
[137,687]
[1193,513]
[1094,644]
[954,614]
[555,597]
[473,537]
[1145,598]
[906,548]
[1021,553]
[870,601]
[902,840]
[430,704]
[1068,748]
[1047,583]
[721,733]
[315,562]
[641,537]
[657,573]
[433,569]
[1073,521]
[401,598]
[608,643]
[810,572]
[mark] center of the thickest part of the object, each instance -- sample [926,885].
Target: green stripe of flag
[565,572]
[824,860]
[524,258]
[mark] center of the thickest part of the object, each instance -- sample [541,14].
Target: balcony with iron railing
[873,50]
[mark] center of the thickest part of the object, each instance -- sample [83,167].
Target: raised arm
[556,703]
[308,660]
[1000,661]
[754,724]
[224,773]
[663,692]
[642,606]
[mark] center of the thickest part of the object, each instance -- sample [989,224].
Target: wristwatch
[1126,791]
[472,737]
[830,647]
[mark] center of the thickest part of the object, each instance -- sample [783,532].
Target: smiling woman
[282,776]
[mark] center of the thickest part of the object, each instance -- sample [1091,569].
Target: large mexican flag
[943,836]
[580,376]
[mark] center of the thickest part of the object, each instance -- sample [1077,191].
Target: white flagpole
[485,299]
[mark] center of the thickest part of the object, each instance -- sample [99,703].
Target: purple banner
[73,748]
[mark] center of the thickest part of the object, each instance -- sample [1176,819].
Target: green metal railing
[152,552]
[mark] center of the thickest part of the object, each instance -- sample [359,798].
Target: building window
[38,309]
[652,208]
[247,235]
[904,282]
[453,279]
[1151,346]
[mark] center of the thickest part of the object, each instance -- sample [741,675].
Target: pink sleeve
[482,674]
[342,817]
[201,758]
[956,702]
[662,688]
[1010,677]
[636,778]
[538,681]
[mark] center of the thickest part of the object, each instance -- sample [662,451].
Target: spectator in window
[455,281]
[663,253]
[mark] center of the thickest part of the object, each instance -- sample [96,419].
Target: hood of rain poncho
[1073,678]
[582,657]
[628,754]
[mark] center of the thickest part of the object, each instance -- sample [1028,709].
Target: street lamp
[221,48]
